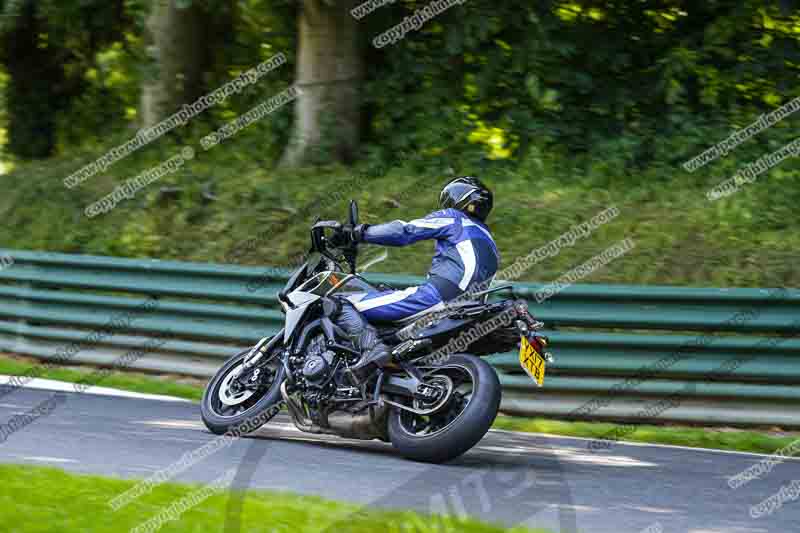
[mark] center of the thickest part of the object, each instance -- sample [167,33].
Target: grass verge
[129,381]
[36,499]
[697,437]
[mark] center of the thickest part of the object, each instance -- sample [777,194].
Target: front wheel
[228,404]
[460,423]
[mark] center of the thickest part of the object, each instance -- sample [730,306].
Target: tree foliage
[484,82]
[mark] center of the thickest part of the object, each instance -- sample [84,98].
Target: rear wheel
[456,424]
[234,397]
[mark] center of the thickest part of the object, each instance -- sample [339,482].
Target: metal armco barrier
[723,356]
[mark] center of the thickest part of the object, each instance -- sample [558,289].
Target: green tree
[329,71]
[177,48]
[47,46]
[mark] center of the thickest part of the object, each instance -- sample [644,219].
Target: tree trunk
[329,72]
[177,50]
[35,76]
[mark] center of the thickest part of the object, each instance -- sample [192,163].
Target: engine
[316,369]
[322,372]
[322,399]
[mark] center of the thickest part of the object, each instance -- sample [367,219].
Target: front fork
[251,364]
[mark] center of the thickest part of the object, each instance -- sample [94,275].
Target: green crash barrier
[721,356]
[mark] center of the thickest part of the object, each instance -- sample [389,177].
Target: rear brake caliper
[428,392]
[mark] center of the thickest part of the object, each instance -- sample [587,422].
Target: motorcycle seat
[436,308]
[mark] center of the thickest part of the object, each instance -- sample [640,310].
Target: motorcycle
[434,401]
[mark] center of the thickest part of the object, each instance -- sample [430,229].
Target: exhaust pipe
[366,426]
[369,425]
[299,419]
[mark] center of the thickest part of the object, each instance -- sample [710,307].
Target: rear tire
[462,433]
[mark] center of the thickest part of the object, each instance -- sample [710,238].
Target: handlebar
[319,242]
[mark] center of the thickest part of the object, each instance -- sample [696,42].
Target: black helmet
[469,195]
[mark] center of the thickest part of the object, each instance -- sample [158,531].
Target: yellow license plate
[531,361]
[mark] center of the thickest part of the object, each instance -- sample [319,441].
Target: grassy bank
[36,500]
[224,197]
[730,439]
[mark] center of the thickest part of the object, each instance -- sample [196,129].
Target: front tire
[446,434]
[219,417]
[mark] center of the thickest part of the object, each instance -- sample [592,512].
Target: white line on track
[49,384]
[53,385]
[48,459]
[646,444]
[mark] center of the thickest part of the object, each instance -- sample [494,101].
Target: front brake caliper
[249,379]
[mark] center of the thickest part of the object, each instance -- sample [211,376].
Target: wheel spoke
[461,394]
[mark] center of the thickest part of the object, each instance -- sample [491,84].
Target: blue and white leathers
[466,254]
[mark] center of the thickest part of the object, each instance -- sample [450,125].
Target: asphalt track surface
[509,478]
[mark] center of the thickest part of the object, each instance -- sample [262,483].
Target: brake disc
[230,397]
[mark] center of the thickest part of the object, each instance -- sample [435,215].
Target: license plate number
[531,361]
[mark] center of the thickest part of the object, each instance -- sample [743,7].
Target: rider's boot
[374,353]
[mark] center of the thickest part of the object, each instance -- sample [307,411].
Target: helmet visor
[454,194]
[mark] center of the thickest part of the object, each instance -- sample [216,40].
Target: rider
[466,255]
